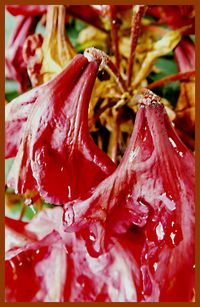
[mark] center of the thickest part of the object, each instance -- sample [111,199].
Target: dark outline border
[2,135]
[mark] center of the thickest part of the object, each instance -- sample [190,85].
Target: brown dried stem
[97,114]
[135,31]
[22,211]
[114,136]
[113,143]
[114,34]
[171,78]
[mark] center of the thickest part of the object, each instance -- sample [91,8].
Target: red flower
[153,189]
[56,146]
[185,55]
[185,108]
[151,261]
[26,10]
[87,13]
[57,267]
[16,115]
[175,16]
[15,65]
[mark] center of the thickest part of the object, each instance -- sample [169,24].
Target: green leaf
[192,37]
[167,65]
[46,205]
[171,92]
[11,96]
[29,213]
[40,28]
[8,164]
[164,67]
[73,28]
[11,90]
[14,211]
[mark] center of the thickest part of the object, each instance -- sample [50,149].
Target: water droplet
[172,236]
[93,243]
[12,264]
[69,216]
[134,153]
[160,231]
[172,142]
[84,282]
[142,202]
[155,265]
[129,197]
[69,191]
[92,237]
[28,201]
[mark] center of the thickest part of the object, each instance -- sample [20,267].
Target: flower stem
[114,34]
[135,31]
[171,78]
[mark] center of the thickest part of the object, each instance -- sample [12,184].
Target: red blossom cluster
[118,233]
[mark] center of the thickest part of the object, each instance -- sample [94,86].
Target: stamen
[105,62]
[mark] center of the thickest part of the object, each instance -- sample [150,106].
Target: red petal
[26,10]
[56,145]
[86,13]
[31,269]
[185,55]
[112,277]
[16,234]
[16,116]
[15,65]
[176,16]
[57,270]
[180,17]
